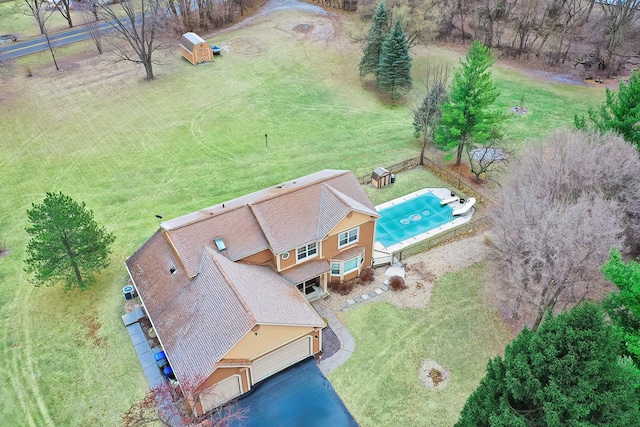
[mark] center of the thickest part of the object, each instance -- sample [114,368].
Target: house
[227,288]
[195,49]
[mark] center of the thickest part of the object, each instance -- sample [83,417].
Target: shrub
[397,283]
[333,286]
[345,287]
[367,275]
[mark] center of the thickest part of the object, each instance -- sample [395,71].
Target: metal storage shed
[380,177]
[195,49]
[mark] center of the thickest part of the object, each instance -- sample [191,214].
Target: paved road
[38,44]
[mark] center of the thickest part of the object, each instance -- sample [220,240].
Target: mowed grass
[192,138]
[380,383]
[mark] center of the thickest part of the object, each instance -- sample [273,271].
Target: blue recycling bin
[168,372]
[161,359]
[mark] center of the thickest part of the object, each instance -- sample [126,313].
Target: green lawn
[192,138]
[380,383]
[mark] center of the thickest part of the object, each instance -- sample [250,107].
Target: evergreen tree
[393,75]
[619,113]
[568,373]
[373,42]
[467,116]
[623,307]
[66,243]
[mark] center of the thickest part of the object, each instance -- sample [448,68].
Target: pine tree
[373,42]
[66,243]
[619,113]
[568,373]
[468,117]
[623,307]
[393,75]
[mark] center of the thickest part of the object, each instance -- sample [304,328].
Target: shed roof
[379,172]
[190,40]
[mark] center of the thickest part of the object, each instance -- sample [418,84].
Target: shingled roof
[279,218]
[198,321]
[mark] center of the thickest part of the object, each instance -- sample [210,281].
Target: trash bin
[168,373]
[393,178]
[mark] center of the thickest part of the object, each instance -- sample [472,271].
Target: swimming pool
[413,217]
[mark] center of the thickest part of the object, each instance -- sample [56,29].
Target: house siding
[262,257]
[219,375]
[269,337]
[365,237]
[289,262]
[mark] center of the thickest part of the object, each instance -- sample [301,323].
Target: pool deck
[442,194]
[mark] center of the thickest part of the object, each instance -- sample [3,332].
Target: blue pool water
[299,396]
[411,218]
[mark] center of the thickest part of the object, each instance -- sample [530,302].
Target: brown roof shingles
[306,271]
[198,321]
[281,218]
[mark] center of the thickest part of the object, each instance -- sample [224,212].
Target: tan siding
[289,262]
[367,232]
[348,223]
[330,246]
[221,374]
[269,337]
[262,257]
[365,237]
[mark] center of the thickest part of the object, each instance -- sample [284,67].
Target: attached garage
[280,359]
[195,49]
[222,392]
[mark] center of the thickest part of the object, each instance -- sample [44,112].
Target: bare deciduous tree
[92,24]
[64,7]
[37,8]
[426,116]
[484,159]
[619,16]
[562,209]
[139,28]
[168,404]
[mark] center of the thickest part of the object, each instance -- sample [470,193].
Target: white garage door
[220,393]
[281,358]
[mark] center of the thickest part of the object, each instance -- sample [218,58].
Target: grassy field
[192,138]
[380,383]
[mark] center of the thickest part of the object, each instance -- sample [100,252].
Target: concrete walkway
[146,355]
[347,343]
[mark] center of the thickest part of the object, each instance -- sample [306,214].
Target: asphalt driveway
[299,396]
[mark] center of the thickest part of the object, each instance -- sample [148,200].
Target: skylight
[220,244]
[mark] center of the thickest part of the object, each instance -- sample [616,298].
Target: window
[351,265]
[335,268]
[307,251]
[285,255]
[348,237]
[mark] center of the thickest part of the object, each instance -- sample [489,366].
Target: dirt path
[271,6]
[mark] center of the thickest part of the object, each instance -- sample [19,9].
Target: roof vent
[172,270]
[220,244]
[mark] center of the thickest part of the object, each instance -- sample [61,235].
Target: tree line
[595,34]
